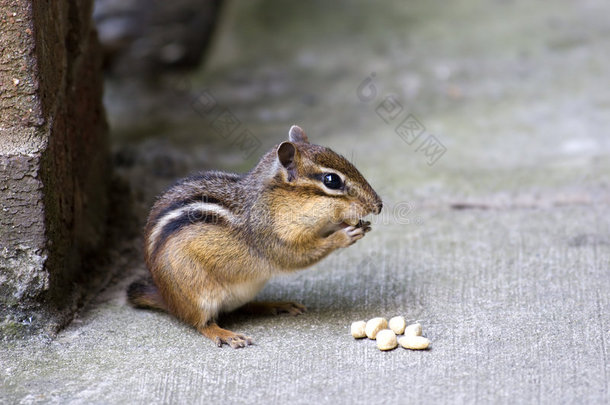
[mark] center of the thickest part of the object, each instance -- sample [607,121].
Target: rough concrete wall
[53,158]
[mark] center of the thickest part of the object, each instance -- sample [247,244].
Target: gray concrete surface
[500,248]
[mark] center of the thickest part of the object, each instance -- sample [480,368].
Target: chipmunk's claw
[365,225]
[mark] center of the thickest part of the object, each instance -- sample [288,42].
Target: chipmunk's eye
[332,181]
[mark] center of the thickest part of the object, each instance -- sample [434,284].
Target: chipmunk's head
[324,186]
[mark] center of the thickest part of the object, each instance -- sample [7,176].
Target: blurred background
[502,99]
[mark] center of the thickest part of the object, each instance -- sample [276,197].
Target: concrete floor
[500,246]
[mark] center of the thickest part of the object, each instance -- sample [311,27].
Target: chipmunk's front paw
[365,225]
[351,234]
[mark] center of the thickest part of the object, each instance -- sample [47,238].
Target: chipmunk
[214,239]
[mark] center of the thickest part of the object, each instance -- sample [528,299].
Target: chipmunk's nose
[379,206]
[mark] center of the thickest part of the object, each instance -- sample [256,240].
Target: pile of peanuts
[385,332]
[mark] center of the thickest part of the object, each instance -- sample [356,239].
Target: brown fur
[142,295]
[214,239]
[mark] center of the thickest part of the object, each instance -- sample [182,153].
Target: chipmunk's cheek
[343,225]
[350,222]
[359,211]
[343,217]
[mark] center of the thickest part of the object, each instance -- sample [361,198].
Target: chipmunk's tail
[141,294]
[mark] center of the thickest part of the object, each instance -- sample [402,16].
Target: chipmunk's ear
[287,155]
[296,134]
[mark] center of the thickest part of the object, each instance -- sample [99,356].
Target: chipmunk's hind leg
[145,295]
[222,336]
[273,308]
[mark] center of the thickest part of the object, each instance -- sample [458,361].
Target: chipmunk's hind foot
[273,308]
[222,336]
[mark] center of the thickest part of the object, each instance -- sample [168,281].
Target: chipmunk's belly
[241,293]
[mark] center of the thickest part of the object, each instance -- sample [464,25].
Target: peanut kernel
[413,330]
[375,325]
[359,329]
[414,342]
[397,324]
[386,339]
